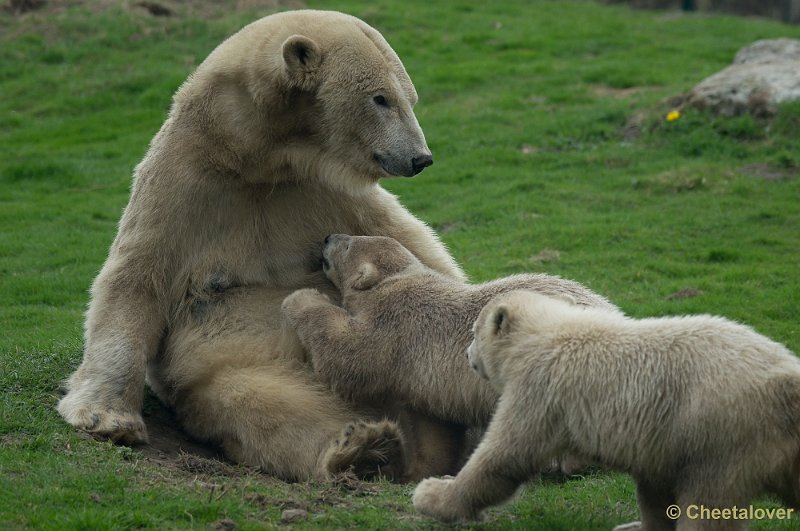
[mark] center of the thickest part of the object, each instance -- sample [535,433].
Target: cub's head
[505,321]
[363,97]
[359,263]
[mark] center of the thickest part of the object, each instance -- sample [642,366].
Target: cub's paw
[301,299]
[436,498]
[121,427]
[630,526]
[370,450]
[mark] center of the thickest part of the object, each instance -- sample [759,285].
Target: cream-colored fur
[698,409]
[402,331]
[277,139]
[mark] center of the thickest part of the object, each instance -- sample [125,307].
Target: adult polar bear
[277,139]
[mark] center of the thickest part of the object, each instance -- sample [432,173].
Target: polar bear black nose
[420,163]
[327,239]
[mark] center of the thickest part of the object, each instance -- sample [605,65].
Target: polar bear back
[645,393]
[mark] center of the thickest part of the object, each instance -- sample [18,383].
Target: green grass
[525,105]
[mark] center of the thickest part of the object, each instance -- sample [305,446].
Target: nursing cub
[402,331]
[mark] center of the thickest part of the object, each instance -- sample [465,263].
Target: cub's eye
[380,100]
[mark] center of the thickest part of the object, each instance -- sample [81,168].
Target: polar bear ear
[366,277]
[565,297]
[302,56]
[501,320]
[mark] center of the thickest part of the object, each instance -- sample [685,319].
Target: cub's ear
[501,320]
[366,277]
[302,56]
[565,297]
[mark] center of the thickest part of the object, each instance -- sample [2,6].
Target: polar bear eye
[380,100]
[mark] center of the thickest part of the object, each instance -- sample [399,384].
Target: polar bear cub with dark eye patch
[701,411]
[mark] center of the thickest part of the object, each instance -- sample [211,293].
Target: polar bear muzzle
[406,168]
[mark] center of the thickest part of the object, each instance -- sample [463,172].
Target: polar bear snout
[402,166]
[420,163]
[333,244]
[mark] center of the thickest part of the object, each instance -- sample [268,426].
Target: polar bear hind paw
[370,450]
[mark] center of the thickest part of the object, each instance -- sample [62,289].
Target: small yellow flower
[673,115]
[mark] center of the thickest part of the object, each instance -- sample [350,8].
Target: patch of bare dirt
[290,516]
[44,17]
[207,9]
[156,9]
[217,8]
[172,450]
[546,255]
[604,91]
[769,173]
[685,293]
[226,524]
[23,6]
[632,129]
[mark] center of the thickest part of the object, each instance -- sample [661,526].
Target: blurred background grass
[552,153]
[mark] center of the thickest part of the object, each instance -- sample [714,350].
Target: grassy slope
[524,105]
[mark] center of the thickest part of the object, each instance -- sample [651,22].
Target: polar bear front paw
[301,299]
[370,450]
[436,498]
[126,428]
[630,526]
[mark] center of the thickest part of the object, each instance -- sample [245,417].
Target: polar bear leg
[104,396]
[435,447]
[282,421]
[653,502]
[484,481]
[491,476]
[714,484]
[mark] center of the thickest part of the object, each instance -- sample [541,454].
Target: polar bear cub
[402,329]
[701,411]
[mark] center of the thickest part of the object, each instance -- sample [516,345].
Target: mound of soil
[167,440]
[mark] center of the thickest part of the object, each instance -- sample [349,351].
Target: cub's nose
[327,239]
[420,163]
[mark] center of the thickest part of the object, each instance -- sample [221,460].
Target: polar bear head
[364,96]
[508,320]
[305,95]
[359,263]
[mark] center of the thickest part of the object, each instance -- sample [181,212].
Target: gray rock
[293,515]
[762,76]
